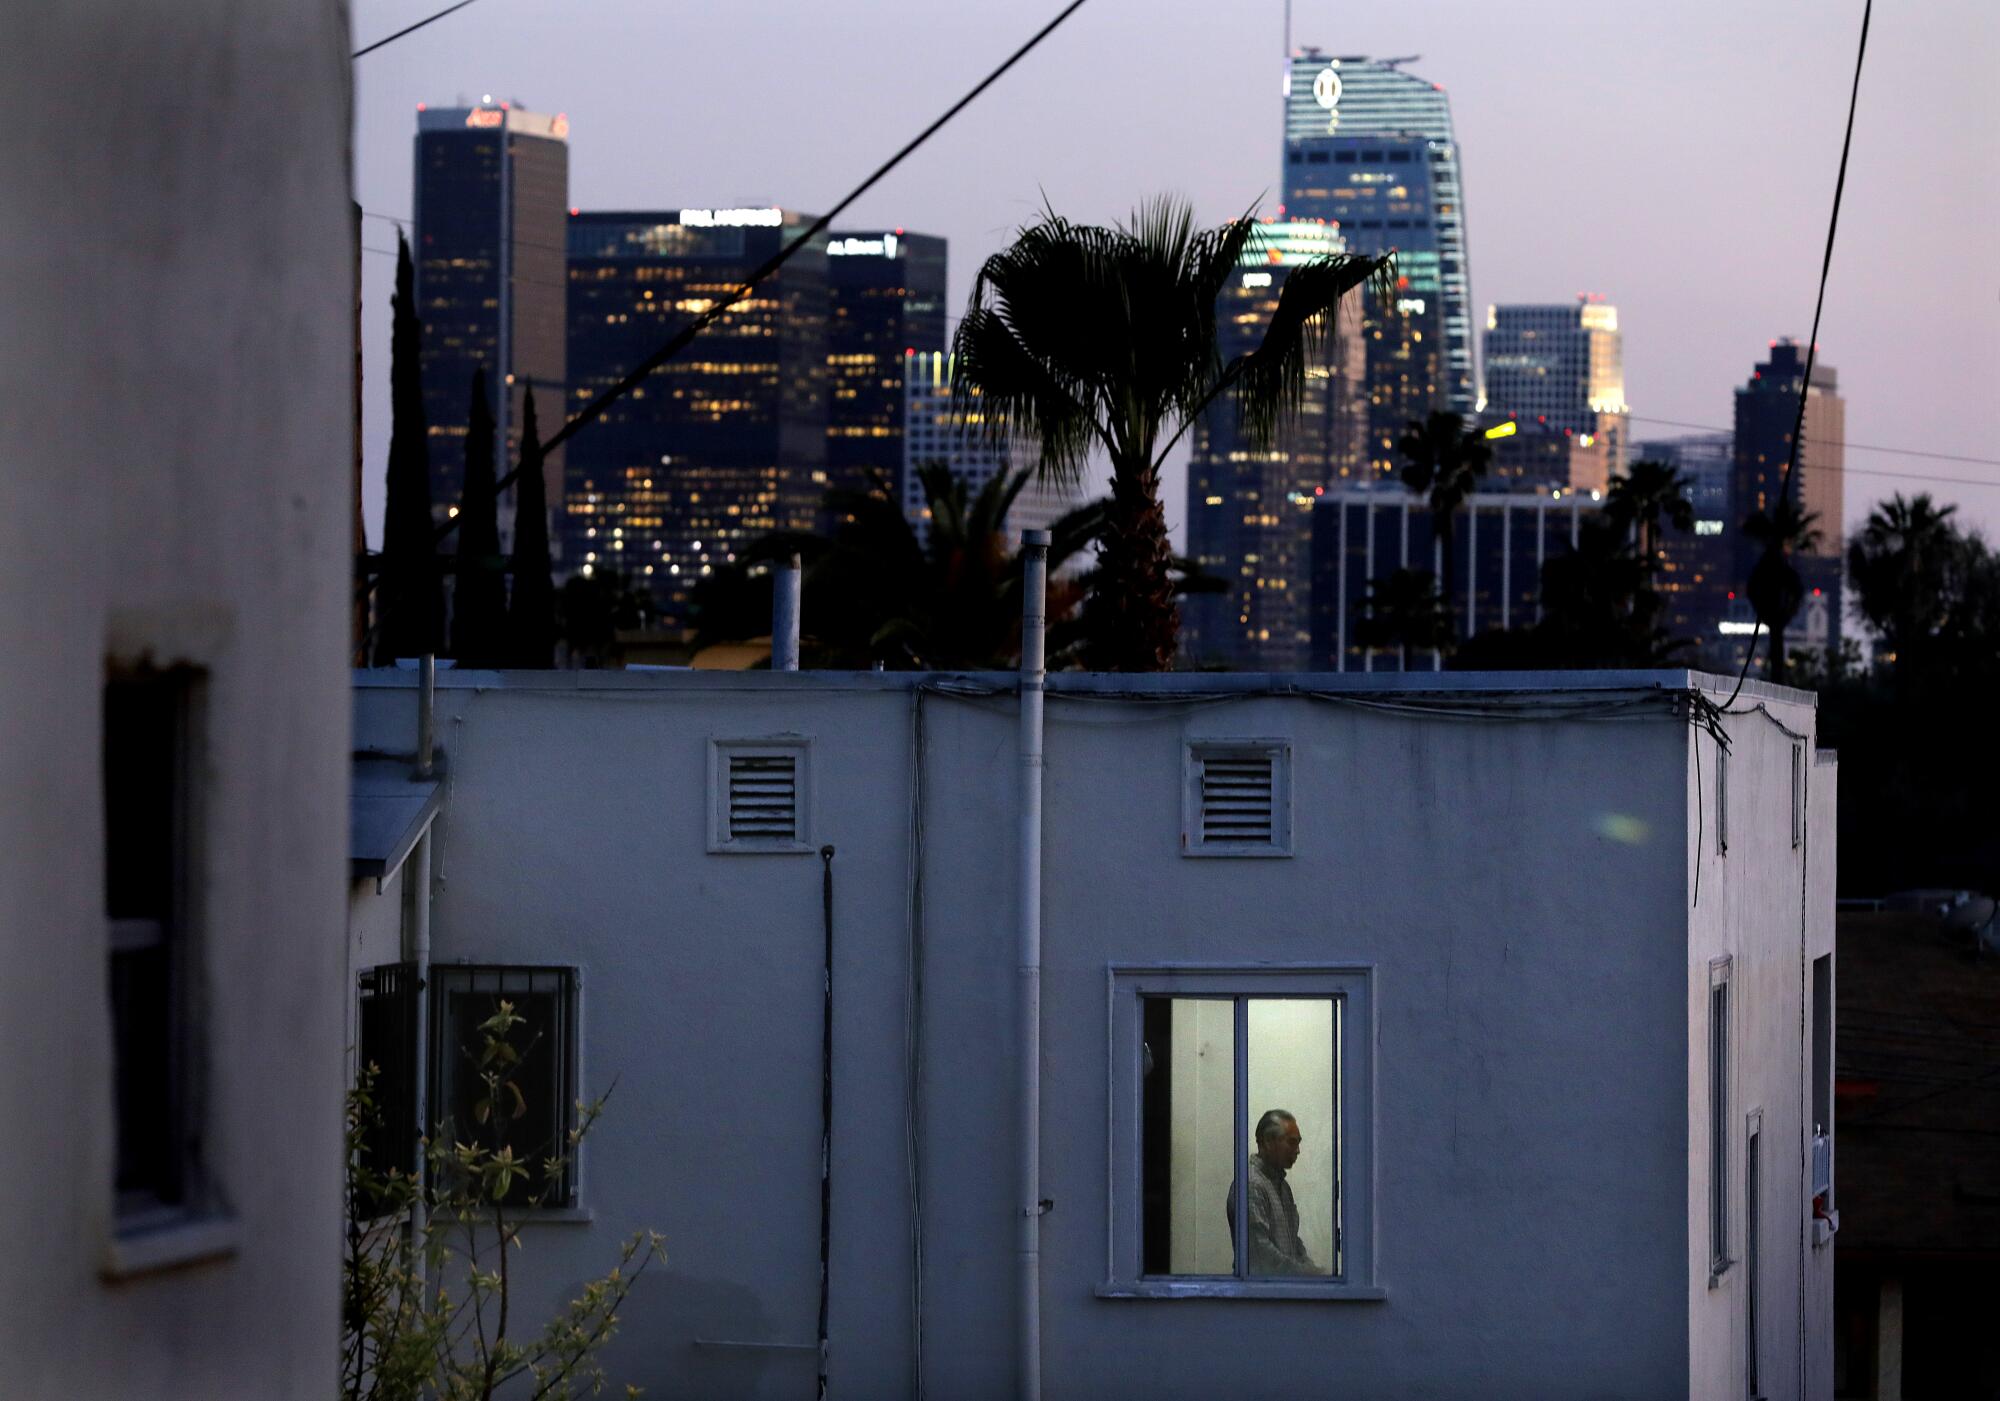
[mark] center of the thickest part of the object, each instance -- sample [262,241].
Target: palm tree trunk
[1133,623]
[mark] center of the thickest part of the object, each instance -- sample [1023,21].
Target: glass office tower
[725,441]
[492,183]
[1250,508]
[887,304]
[1767,411]
[1558,371]
[1371,149]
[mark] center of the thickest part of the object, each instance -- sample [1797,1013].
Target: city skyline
[1560,206]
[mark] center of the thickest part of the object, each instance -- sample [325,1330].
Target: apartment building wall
[1514,901]
[176,335]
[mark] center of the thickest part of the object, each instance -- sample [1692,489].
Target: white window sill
[187,1241]
[1327,1292]
[1824,1230]
[555,1216]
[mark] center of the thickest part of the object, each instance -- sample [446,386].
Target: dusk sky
[1679,159]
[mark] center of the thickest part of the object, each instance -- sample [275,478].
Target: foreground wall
[1761,886]
[176,349]
[1518,895]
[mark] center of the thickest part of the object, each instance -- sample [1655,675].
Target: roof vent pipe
[785,615]
[1028,1034]
[427,679]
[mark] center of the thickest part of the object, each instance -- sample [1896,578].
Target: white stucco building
[176,346]
[1469,930]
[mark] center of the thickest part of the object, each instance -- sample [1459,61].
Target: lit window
[1252,1079]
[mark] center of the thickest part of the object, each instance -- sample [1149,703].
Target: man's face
[1280,1147]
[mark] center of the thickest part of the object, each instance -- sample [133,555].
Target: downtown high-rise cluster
[811,384]
[1303,530]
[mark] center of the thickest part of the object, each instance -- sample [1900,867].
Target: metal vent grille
[1238,798]
[763,797]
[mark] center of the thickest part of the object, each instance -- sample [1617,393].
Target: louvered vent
[1238,798]
[763,797]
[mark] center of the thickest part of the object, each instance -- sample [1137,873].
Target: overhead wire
[1831,442]
[1812,346]
[591,411]
[408,29]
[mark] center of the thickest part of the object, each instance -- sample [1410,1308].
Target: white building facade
[1466,929]
[177,335]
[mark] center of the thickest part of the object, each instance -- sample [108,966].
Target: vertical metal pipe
[418,953]
[785,615]
[426,712]
[1028,1136]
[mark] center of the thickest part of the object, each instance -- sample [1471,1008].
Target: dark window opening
[147,725]
[535,1107]
[388,1042]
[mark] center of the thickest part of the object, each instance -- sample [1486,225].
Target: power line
[1833,442]
[591,411]
[1776,546]
[410,29]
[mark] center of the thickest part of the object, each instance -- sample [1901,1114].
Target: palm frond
[1270,381]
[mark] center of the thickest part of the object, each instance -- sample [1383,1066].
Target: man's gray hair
[1268,1126]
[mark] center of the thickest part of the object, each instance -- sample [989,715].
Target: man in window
[1274,1246]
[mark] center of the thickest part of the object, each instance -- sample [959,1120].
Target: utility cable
[410,29]
[1776,546]
[1823,442]
[590,412]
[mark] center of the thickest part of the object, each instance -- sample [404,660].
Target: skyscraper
[1370,148]
[935,432]
[1250,508]
[722,443]
[491,185]
[887,303]
[1696,568]
[1767,410]
[1559,371]
[1361,537]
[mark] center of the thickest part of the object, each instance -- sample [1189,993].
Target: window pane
[534,1123]
[1188,1134]
[1294,1169]
[142,1033]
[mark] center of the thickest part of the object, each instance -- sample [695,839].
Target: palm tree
[1775,588]
[1403,610]
[1905,562]
[1446,459]
[1646,494]
[1083,338]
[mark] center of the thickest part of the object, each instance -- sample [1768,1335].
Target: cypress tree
[410,602]
[531,615]
[479,597]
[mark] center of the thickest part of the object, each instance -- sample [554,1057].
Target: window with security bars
[758,796]
[149,808]
[534,1108]
[388,1046]
[1238,799]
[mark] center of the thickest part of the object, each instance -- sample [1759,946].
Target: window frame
[1125,987]
[175,932]
[1720,1064]
[446,978]
[1194,753]
[721,841]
